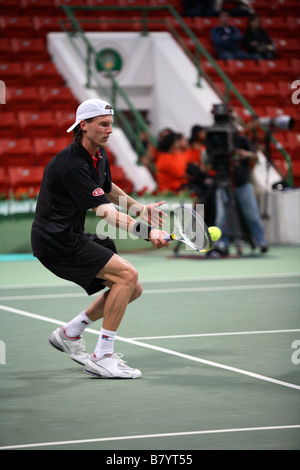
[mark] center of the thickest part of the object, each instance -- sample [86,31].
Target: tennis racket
[190,228]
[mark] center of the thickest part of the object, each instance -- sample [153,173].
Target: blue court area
[218,342]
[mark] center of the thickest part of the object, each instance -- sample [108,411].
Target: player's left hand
[154,215]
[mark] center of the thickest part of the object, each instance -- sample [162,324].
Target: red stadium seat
[16,152]
[296,173]
[279,69]
[14,26]
[5,51]
[30,49]
[293,23]
[64,120]
[57,98]
[101,3]
[246,116]
[289,7]
[240,69]
[260,94]
[110,156]
[202,26]
[285,92]
[42,74]
[47,148]
[209,68]
[119,177]
[43,25]
[4,182]
[287,48]
[38,7]
[293,142]
[22,98]
[10,7]
[275,26]
[37,124]
[295,66]
[9,125]
[12,74]
[25,179]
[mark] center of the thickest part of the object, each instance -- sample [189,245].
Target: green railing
[144,22]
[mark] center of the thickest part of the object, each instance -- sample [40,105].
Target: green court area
[218,342]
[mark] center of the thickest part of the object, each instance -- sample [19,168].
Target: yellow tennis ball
[215,233]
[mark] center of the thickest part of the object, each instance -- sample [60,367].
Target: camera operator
[242,160]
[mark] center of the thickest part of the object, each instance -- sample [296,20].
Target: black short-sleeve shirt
[71,185]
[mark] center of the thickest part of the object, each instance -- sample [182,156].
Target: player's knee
[131,276]
[138,290]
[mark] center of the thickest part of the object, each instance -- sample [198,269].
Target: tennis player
[77,179]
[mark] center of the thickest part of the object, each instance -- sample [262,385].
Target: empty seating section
[39,107]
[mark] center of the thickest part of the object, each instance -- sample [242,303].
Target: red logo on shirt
[98,192]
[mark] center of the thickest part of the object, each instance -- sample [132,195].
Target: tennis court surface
[218,342]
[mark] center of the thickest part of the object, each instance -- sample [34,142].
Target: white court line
[165,280]
[163,350]
[204,335]
[149,436]
[157,291]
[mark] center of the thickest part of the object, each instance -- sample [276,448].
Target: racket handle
[169,237]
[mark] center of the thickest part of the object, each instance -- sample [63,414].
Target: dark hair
[194,132]
[251,19]
[77,133]
[167,141]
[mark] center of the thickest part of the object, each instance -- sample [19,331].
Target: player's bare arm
[150,213]
[127,223]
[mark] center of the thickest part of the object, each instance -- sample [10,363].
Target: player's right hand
[156,237]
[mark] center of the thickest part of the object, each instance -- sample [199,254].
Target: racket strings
[191,228]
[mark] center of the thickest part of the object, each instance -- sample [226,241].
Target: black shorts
[82,266]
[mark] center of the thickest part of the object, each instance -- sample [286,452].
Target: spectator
[199,8]
[170,164]
[151,153]
[213,7]
[198,172]
[257,42]
[196,144]
[240,8]
[226,39]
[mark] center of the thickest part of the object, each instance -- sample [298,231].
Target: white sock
[76,326]
[105,343]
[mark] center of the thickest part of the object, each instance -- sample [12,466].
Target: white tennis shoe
[75,347]
[110,367]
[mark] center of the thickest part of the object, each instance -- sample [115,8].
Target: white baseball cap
[89,109]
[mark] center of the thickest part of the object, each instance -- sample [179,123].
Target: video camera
[219,141]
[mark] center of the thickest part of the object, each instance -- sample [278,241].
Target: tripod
[232,224]
[221,188]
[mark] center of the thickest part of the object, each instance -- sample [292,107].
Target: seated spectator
[151,152]
[257,42]
[240,8]
[226,39]
[170,164]
[196,144]
[199,8]
[199,180]
[213,7]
